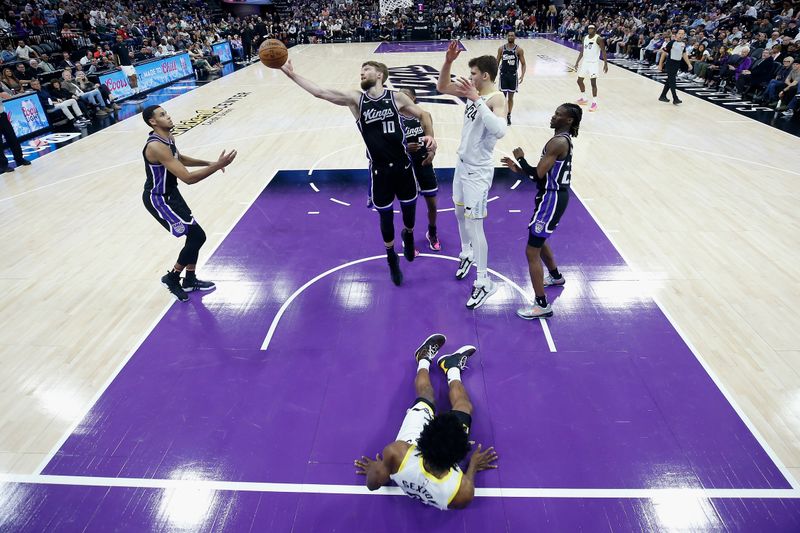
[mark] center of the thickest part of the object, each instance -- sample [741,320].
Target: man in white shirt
[24,52]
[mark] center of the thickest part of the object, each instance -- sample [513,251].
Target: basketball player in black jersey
[164,166]
[378,111]
[426,176]
[552,175]
[511,59]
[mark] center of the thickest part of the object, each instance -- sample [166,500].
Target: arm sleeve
[496,125]
[529,170]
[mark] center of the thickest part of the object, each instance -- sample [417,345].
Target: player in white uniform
[593,46]
[424,459]
[484,124]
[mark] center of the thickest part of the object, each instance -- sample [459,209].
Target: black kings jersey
[382,129]
[413,130]
[509,60]
[159,180]
[559,176]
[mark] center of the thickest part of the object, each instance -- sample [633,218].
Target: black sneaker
[197,285]
[172,281]
[508,119]
[676,102]
[457,359]
[394,269]
[663,99]
[409,252]
[430,347]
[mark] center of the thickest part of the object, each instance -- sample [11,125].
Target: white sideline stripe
[547,335]
[274,325]
[516,184]
[747,422]
[313,186]
[314,488]
[313,212]
[146,334]
[334,200]
[515,210]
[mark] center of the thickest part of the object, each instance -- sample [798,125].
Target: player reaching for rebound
[164,166]
[593,45]
[426,176]
[424,458]
[377,111]
[484,124]
[552,175]
[511,59]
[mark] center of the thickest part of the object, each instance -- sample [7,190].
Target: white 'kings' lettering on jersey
[373,115]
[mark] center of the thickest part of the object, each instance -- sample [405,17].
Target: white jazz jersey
[591,49]
[477,144]
[417,483]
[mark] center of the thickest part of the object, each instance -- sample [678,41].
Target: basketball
[273,53]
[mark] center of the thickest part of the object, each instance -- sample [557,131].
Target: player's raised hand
[510,163]
[363,464]
[518,153]
[452,51]
[287,68]
[484,460]
[225,159]
[465,88]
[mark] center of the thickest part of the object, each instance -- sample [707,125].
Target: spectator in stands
[65,62]
[778,82]
[9,138]
[91,97]
[757,76]
[24,73]
[790,89]
[10,80]
[25,52]
[87,85]
[122,58]
[51,101]
[8,54]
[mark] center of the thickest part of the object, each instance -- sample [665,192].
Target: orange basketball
[273,53]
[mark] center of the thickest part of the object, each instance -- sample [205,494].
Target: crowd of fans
[751,49]
[58,48]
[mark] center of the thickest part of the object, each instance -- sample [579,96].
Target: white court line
[127,358]
[313,186]
[274,325]
[750,426]
[315,488]
[313,212]
[516,184]
[318,161]
[515,210]
[334,200]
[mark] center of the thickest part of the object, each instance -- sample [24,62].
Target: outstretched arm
[343,98]
[444,85]
[492,113]
[379,469]
[480,460]
[161,153]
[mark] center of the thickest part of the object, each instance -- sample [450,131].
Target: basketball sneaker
[409,252]
[172,281]
[197,285]
[536,311]
[593,107]
[481,293]
[430,347]
[433,242]
[463,266]
[458,359]
[394,269]
[550,281]
[582,101]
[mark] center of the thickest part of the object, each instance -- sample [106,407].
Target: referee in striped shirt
[673,54]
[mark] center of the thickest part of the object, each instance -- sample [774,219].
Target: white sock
[462,231]
[594,99]
[454,374]
[424,364]
[479,245]
[583,95]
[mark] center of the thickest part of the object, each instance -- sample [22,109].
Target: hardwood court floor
[700,201]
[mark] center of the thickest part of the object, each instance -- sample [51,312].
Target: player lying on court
[377,111]
[424,459]
[552,176]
